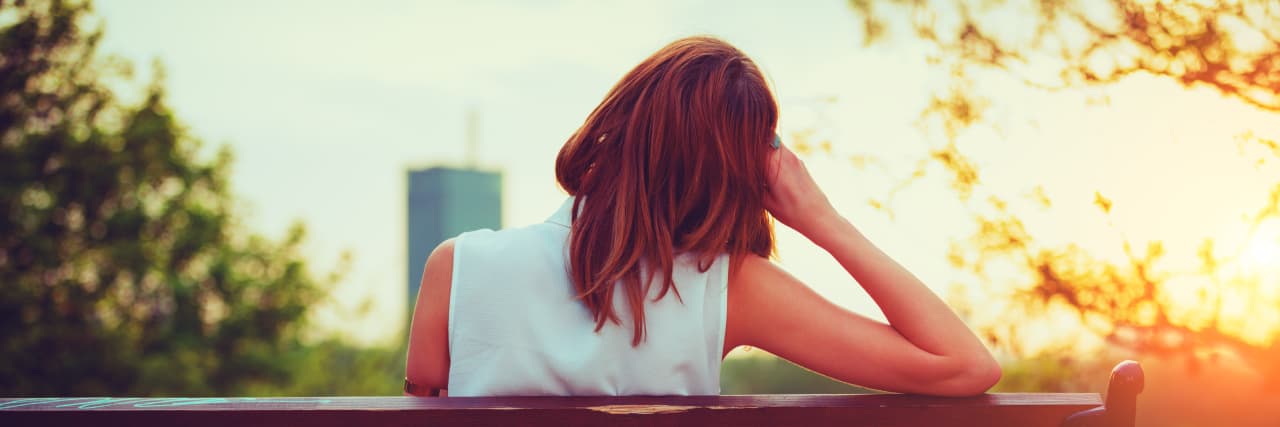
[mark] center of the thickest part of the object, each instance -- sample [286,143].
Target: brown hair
[671,162]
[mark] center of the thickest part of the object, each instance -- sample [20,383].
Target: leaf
[1102,202]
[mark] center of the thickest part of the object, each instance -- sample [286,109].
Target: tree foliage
[123,269]
[1232,46]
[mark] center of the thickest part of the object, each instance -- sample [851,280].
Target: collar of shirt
[563,217]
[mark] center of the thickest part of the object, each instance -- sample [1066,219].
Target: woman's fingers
[794,197]
[774,166]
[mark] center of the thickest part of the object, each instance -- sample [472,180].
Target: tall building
[444,202]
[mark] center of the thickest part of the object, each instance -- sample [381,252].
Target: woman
[657,265]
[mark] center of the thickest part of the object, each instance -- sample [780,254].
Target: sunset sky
[326,104]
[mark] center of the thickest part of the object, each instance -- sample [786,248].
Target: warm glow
[1247,303]
[1263,250]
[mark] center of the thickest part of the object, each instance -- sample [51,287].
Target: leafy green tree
[1232,46]
[335,368]
[123,269]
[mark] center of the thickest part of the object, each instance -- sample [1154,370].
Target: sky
[326,104]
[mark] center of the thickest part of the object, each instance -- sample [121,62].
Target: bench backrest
[1016,409]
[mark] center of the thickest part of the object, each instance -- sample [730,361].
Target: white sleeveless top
[515,327]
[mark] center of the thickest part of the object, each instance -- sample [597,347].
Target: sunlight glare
[1263,251]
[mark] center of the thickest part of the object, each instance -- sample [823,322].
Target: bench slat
[884,410]
[1027,409]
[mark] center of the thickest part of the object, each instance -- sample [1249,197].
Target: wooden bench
[1011,409]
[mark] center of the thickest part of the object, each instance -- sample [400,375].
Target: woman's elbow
[988,373]
[956,376]
[973,378]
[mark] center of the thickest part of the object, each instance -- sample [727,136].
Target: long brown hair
[671,162]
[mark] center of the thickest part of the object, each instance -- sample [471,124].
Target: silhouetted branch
[1232,46]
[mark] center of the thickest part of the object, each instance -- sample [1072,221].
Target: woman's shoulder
[550,226]
[519,239]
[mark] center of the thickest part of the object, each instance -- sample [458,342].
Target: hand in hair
[924,348]
[793,197]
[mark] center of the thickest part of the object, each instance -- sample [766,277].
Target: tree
[1230,46]
[123,269]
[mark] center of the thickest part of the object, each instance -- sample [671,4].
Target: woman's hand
[925,347]
[793,197]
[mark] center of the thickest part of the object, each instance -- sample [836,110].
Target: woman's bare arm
[427,361]
[925,348]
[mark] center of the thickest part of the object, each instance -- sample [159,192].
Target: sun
[1263,250]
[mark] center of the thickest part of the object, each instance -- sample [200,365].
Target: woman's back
[516,328]
[682,164]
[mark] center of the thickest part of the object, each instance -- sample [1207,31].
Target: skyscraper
[444,202]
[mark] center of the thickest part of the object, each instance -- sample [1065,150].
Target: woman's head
[671,162]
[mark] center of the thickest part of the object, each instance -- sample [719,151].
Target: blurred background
[236,197]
